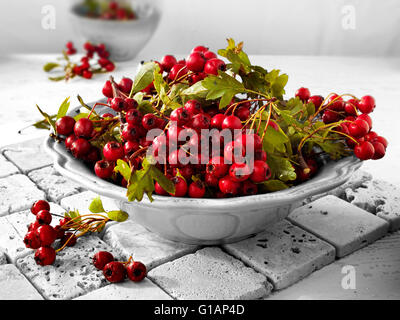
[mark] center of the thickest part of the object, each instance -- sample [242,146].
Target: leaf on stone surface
[50,66]
[57,78]
[144,77]
[117,215]
[273,185]
[96,206]
[62,111]
[281,168]
[73,214]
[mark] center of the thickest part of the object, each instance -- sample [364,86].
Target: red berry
[239,172]
[370,136]
[130,104]
[195,62]
[303,94]
[249,188]
[193,107]
[211,180]
[232,123]
[177,71]
[234,152]
[47,235]
[39,206]
[69,141]
[130,132]
[217,120]
[379,150]
[243,113]
[60,231]
[80,147]
[44,217]
[364,151]
[65,125]
[334,97]
[213,65]
[83,128]
[228,186]
[250,142]
[87,74]
[104,169]
[366,118]
[101,258]
[316,100]
[260,155]
[110,67]
[180,187]
[216,167]
[133,116]
[358,128]
[136,271]
[113,151]
[180,115]
[366,104]
[92,156]
[159,190]
[107,90]
[114,271]
[131,147]
[168,62]
[31,240]
[197,189]
[350,107]
[125,85]
[200,121]
[381,140]
[33,226]
[173,133]
[149,121]
[64,221]
[201,49]
[69,239]
[261,172]
[45,256]
[117,104]
[113,5]
[330,117]
[208,55]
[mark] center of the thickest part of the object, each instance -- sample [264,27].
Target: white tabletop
[23,84]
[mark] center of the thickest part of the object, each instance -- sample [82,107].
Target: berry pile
[116,271]
[95,60]
[109,10]
[190,128]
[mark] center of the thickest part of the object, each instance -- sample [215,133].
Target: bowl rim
[331,175]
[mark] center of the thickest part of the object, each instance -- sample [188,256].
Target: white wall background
[266,26]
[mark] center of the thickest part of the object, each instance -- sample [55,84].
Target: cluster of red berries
[41,235]
[356,125]
[116,271]
[113,11]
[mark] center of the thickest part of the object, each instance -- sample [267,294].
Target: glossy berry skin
[195,62]
[113,151]
[34,226]
[101,258]
[249,188]
[136,271]
[107,89]
[193,107]
[83,128]
[133,116]
[65,125]
[232,123]
[233,152]
[213,65]
[250,142]
[31,240]
[167,62]
[149,121]
[208,55]
[45,256]
[379,150]
[80,147]
[350,107]
[260,155]
[64,221]
[330,117]
[180,187]
[370,136]
[197,189]
[39,206]
[364,151]
[131,147]
[117,104]
[316,100]
[159,190]
[381,140]
[200,121]
[44,217]
[125,85]
[217,167]
[358,128]
[334,97]
[180,115]
[243,113]
[130,103]
[366,118]
[92,156]
[104,169]
[239,172]
[114,271]
[228,186]
[69,141]
[261,172]
[366,104]
[211,180]
[201,49]
[69,239]
[60,231]
[177,71]
[47,235]
[303,94]
[217,120]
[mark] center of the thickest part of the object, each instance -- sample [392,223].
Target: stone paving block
[11,242]
[28,155]
[81,202]
[284,253]
[345,226]
[378,197]
[210,273]
[71,275]
[6,167]
[374,269]
[14,286]
[129,238]
[3,258]
[128,290]
[55,185]
[18,193]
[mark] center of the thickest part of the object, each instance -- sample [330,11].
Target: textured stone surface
[11,242]
[28,155]
[3,258]
[130,238]
[210,274]
[378,197]
[55,185]
[128,290]
[17,193]
[71,275]
[14,286]
[6,167]
[346,227]
[376,269]
[284,253]
[81,201]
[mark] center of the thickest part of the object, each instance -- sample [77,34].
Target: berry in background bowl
[125,30]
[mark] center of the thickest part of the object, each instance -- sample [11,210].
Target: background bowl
[124,39]
[204,221]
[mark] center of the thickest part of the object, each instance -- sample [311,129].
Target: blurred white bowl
[123,39]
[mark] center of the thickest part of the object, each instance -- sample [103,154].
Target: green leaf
[281,168]
[96,206]
[73,214]
[62,111]
[277,83]
[118,215]
[48,118]
[164,182]
[162,88]
[196,91]
[50,66]
[240,62]
[273,185]
[144,77]
[59,78]
[123,168]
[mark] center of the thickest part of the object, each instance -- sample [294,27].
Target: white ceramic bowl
[123,39]
[204,221]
